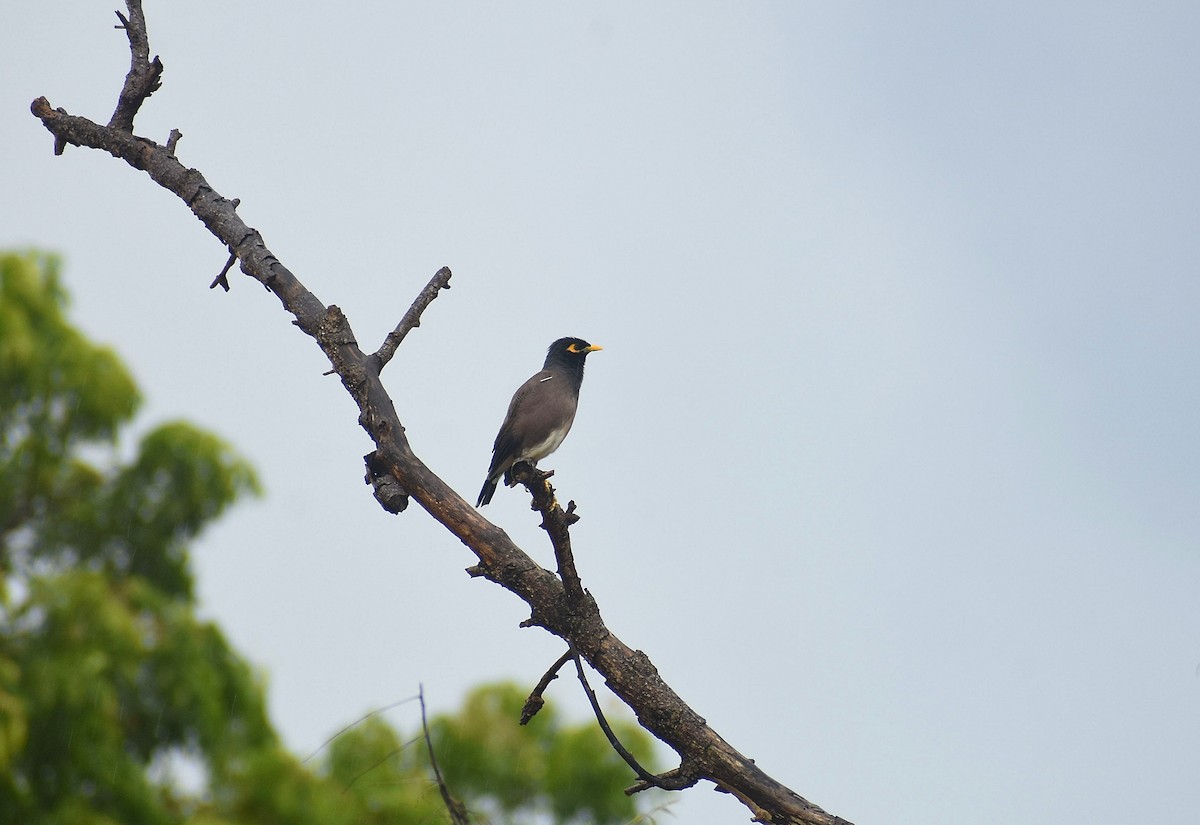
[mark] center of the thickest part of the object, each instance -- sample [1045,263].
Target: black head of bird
[540,414]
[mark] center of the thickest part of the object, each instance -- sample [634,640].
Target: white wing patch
[544,380]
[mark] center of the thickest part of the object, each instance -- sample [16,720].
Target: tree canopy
[109,683]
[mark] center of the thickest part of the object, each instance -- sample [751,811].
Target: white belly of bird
[543,448]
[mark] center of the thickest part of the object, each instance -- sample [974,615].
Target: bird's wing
[539,416]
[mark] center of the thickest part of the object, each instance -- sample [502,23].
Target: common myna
[540,413]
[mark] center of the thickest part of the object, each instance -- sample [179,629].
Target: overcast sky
[890,462]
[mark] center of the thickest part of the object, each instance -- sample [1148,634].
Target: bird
[540,414]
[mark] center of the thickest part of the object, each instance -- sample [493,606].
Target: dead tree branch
[145,75]
[458,811]
[560,608]
[412,318]
[648,779]
[555,521]
[535,702]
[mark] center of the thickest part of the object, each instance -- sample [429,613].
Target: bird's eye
[573,348]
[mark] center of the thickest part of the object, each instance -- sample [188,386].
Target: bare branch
[145,75]
[535,702]
[412,318]
[391,496]
[359,721]
[458,812]
[649,779]
[559,605]
[377,763]
[555,521]
[221,280]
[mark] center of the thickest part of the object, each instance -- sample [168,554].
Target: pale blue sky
[890,462]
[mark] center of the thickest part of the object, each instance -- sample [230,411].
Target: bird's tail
[489,489]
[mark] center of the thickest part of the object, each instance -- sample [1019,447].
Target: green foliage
[107,678]
[569,772]
[58,393]
[387,777]
[56,387]
[104,668]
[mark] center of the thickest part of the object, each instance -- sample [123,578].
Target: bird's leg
[510,481]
